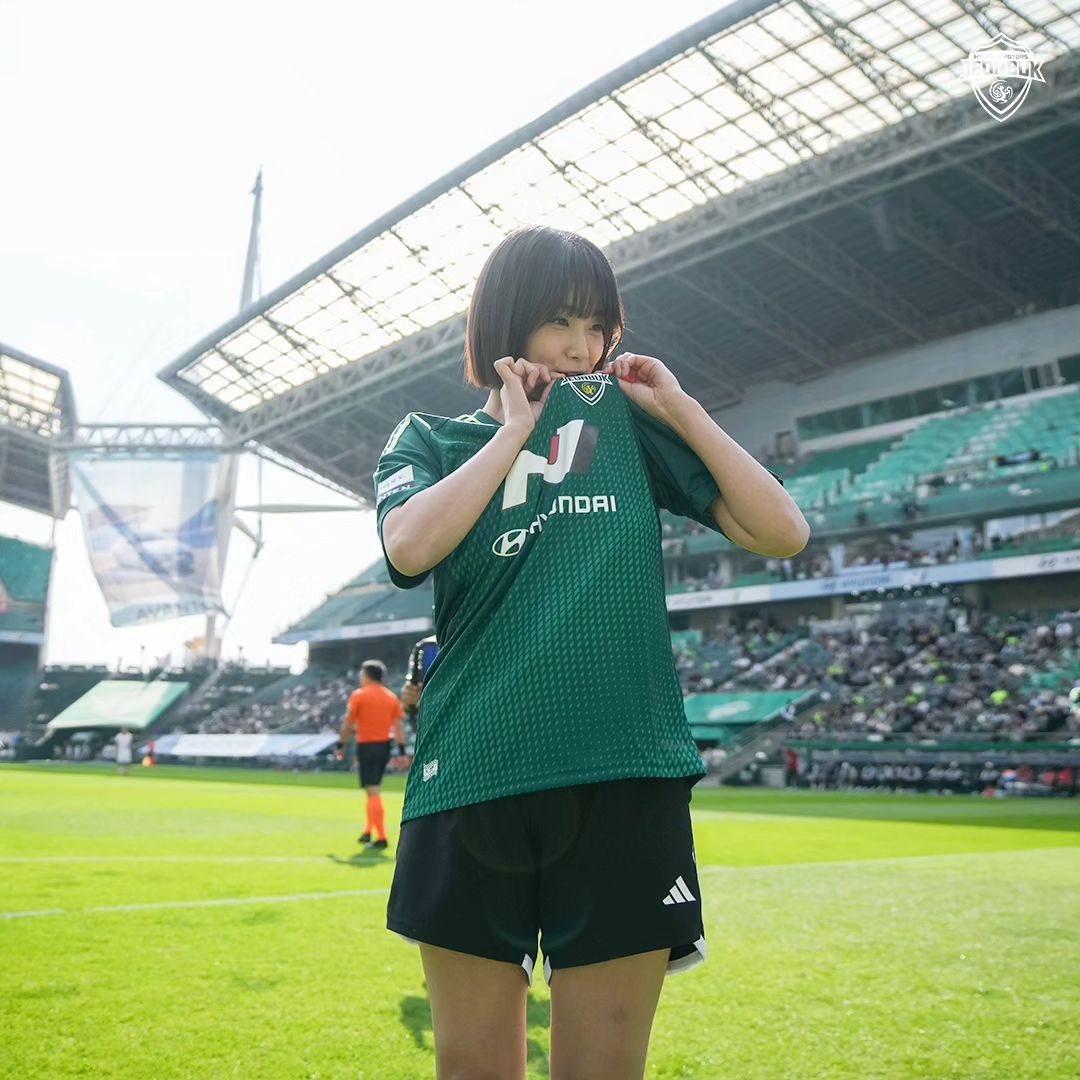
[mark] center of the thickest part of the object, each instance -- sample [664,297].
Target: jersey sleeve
[680,481]
[409,463]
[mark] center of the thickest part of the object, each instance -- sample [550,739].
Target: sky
[133,133]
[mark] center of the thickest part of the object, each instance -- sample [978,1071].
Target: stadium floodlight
[752,90]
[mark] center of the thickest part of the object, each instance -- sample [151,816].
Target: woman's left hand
[648,384]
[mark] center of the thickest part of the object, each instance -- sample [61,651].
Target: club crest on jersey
[589,388]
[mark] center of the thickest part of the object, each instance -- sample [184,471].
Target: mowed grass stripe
[297,897]
[848,936]
[874,969]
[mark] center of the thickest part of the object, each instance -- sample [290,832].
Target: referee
[374,714]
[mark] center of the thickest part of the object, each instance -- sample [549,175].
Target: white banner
[242,746]
[157,530]
[861,579]
[348,633]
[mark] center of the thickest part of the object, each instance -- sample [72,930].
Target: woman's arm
[423,530]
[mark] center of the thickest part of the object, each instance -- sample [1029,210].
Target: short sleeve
[679,479]
[407,464]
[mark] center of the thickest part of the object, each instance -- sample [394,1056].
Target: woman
[550,787]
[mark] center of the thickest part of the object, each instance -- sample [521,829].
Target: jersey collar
[483,418]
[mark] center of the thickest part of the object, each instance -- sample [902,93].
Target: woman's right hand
[525,389]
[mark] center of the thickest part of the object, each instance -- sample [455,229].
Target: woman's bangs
[590,290]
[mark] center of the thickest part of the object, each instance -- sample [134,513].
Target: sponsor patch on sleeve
[394,482]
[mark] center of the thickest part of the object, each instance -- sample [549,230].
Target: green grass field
[206,923]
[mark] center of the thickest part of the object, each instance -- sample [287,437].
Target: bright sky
[132,136]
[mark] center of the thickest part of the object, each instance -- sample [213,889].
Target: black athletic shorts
[599,870]
[372,757]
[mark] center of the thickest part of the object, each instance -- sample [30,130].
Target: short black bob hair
[535,274]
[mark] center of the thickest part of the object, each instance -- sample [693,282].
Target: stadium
[867,272]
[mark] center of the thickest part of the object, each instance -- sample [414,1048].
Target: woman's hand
[648,384]
[524,391]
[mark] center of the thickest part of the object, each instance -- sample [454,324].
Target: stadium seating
[23,619]
[18,688]
[307,703]
[24,570]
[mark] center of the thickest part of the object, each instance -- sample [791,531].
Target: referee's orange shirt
[375,713]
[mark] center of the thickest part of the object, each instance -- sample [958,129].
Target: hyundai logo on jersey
[510,543]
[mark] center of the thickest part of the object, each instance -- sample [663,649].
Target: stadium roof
[37,408]
[782,188]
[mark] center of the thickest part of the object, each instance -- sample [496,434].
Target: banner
[157,530]
[861,579]
[182,745]
[1031,768]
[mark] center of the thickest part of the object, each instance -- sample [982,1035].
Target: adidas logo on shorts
[679,894]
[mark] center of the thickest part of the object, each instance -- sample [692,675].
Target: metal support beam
[868,59]
[946,234]
[953,322]
[752,307]
[813,252]
[897,156]
[974,9]
[150,439]
[338,390]
[684,346]
[764,103]
[1026,184]
[271,455]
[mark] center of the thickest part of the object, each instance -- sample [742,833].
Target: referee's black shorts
[600,870]
[372,757]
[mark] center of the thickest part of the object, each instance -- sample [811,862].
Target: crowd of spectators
[960,674]
[957,672]
[303,708]
[725,652]
[248,718]
[228,692]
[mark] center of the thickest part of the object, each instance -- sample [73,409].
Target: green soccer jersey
[555,665]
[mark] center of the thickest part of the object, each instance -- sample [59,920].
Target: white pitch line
[881,861]
[188,858]
[232,901]
[389,861]
[235,901]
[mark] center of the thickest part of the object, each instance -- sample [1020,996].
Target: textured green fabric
[555,664]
